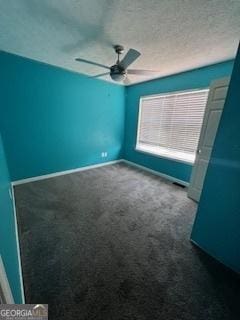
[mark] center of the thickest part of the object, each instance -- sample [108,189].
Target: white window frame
[157,154]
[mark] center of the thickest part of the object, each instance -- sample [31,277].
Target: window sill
[164,156]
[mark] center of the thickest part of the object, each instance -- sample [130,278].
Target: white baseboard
[18,246]
[61,173]
[163,175]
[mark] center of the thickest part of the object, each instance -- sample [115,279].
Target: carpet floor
[113,243]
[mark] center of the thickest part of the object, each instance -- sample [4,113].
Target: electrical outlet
[104,154]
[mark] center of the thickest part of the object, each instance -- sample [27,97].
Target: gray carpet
[113,243]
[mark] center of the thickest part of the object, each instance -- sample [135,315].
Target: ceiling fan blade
[100,75]
[126,81]
[129,58]
[142,72]
[91,62]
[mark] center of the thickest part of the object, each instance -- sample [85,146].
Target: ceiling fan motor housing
[118,73]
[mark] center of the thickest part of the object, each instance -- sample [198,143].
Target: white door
[5,290]
[214,108]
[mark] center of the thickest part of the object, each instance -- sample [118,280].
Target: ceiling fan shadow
[84,32]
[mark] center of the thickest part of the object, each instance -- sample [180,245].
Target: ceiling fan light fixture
[118,76]
[117,73]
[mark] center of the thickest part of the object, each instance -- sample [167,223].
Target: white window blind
[170,125]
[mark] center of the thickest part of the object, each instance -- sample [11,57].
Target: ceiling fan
[119,71]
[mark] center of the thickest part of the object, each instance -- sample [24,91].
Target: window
[169,125]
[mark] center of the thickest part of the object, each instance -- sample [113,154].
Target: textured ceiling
[172,35]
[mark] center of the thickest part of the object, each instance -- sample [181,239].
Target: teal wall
[54,120]
[8,248]
[198,78]
[217,225]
